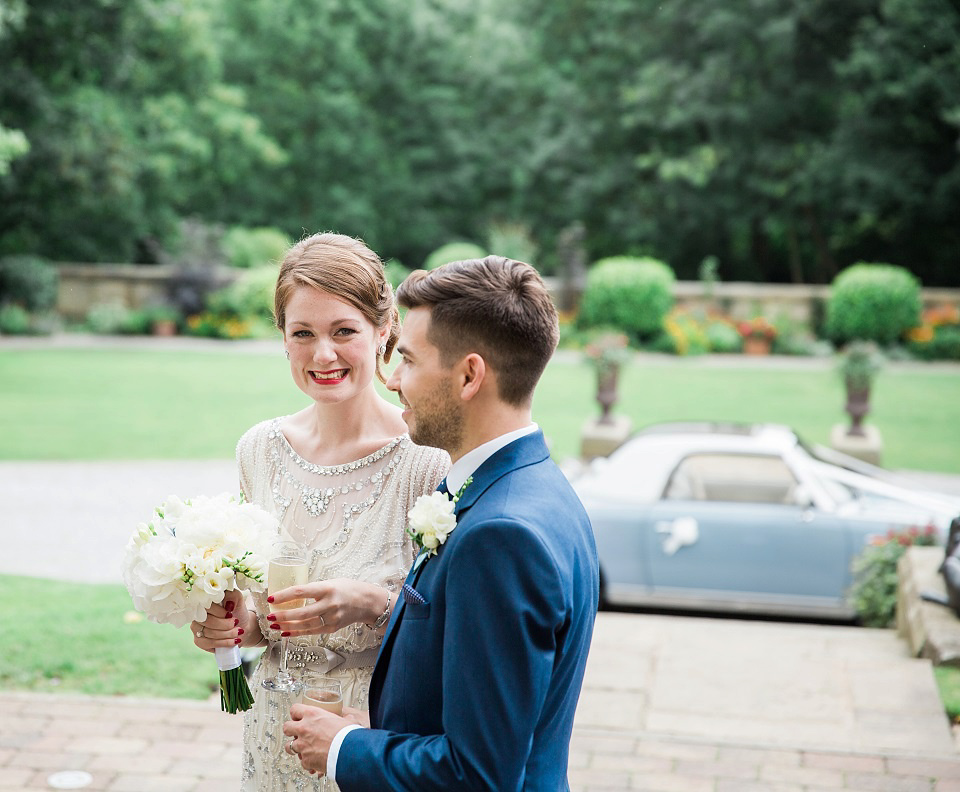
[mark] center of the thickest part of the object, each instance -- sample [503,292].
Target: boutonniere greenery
[432,519]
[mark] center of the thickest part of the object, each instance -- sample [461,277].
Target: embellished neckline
[332,470]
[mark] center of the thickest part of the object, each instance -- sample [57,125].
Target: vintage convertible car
[741,518]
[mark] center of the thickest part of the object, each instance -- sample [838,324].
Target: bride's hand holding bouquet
[183,567]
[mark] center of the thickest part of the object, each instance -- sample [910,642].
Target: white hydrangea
[194,553]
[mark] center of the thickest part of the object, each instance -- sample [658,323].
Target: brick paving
[142,745]
[820,708]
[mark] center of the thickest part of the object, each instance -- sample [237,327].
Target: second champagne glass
[324,692]
[288,567]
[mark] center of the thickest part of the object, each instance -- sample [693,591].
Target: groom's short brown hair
[496,307]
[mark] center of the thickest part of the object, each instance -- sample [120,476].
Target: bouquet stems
[235,695]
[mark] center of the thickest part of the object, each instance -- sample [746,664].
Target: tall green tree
[401,117]
[129,124]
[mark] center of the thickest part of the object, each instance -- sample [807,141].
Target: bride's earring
[287,353]
[382,350]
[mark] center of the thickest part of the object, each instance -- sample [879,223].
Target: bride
[341,476]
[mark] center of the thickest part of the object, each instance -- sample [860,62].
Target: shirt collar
[464,467]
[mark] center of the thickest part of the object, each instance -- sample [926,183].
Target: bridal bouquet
[189,558]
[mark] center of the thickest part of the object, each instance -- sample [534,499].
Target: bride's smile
[332,345]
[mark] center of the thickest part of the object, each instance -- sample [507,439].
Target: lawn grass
[86,638]
[948,682]
[138,403]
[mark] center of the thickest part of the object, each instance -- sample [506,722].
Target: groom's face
[425,387]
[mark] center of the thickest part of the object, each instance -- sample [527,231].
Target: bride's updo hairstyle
[345,268]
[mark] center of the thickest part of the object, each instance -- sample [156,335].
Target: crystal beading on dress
[359,532]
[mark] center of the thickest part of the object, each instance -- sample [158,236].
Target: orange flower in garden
[758,327]
[921,334]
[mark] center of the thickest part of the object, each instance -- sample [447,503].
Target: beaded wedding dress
[351,518]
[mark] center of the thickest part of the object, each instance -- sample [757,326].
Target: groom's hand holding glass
[314,728]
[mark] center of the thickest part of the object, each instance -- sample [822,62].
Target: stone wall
[84,285]
[931,630]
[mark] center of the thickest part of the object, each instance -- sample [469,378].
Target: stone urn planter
[859,367]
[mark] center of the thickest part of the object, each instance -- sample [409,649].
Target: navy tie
[443,487]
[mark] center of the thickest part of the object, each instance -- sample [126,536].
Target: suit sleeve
[504,610]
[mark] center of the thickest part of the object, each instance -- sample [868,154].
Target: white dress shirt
[459,472]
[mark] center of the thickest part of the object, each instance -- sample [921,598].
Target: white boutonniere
[432,519]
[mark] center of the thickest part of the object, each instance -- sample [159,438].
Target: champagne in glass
[323,692]
[288,567]
[286,571]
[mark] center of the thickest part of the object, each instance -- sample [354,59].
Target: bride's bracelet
[382,619]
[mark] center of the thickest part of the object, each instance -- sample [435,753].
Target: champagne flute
[288,567]
[321,691]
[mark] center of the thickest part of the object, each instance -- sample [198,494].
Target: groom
[481,666]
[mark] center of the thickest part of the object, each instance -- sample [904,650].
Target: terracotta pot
[164,327]
[753,345]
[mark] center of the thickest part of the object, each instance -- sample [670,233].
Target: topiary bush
[247,248]
[28,281]
[454,251]
[872,302]
[632,294]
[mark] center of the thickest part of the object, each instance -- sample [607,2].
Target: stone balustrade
[134,286]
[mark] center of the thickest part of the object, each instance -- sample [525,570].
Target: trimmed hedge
[872,302]
[631,294]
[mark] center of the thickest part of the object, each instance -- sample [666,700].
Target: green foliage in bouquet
[874,590]
[632,294]
[872,302]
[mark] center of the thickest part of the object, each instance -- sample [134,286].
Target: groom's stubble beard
[437,422]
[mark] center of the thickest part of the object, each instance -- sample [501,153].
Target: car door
[729,532]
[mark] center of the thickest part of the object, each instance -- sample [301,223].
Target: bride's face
[332,345]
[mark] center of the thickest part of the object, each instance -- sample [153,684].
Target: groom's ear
[471,373]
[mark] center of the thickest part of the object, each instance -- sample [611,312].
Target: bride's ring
[322,622]
[199,633]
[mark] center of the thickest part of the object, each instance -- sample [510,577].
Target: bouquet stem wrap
[235,695]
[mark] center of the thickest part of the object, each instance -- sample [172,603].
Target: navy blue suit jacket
[477,687]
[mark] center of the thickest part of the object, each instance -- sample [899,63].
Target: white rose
[432,519]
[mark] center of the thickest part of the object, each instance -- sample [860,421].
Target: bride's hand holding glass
[331,605]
